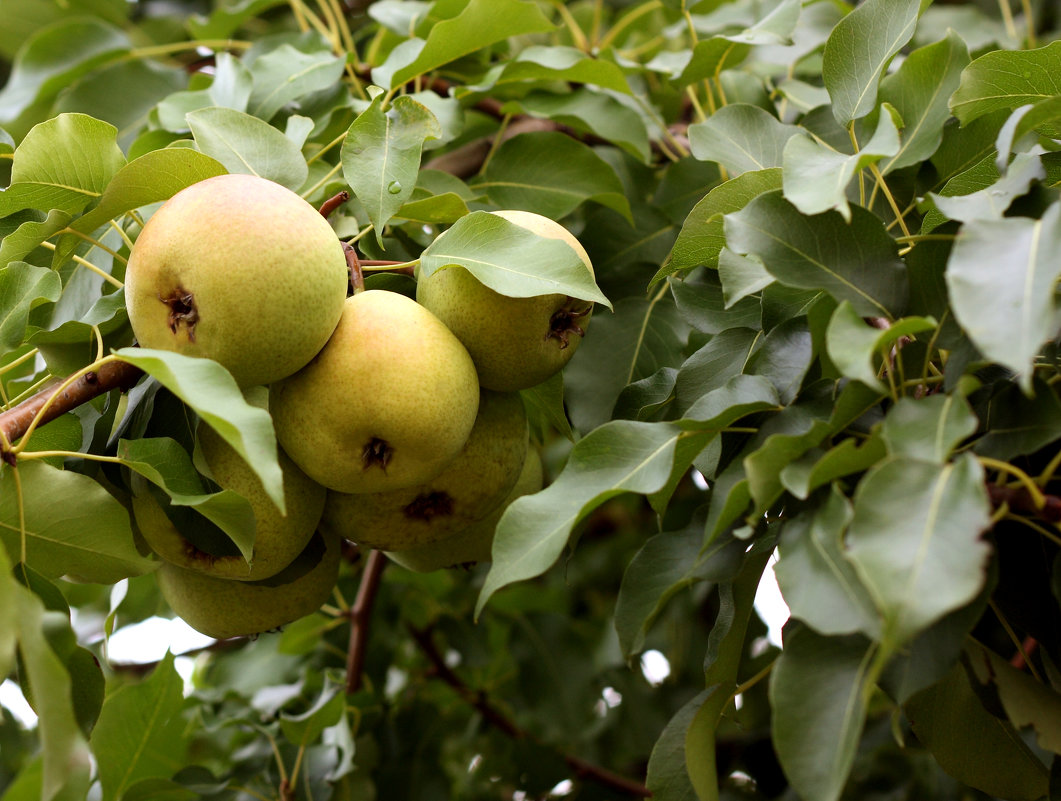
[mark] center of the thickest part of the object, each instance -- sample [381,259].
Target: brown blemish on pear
[429,505]
[182,311]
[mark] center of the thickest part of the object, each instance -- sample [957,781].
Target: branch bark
[360,617]
[113,375]
[477,699]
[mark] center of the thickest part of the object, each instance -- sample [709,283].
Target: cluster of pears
[399,421]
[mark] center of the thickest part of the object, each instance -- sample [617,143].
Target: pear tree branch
[360,616]
[477,699]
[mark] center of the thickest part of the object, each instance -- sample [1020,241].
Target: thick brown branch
[112,375]
[360,616]
[586,771]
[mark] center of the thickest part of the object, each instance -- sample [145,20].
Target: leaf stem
[327,177]
[25,357]
[629,19]
[1048,472]
[890,198]
[94,242]
[121,232]
[337,140]
[578,36]
[495,143]
[1029,20]
[179,47]
[861,179]
[89,265]
[1007,19]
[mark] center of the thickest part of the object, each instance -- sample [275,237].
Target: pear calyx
[183,312]
[377,452]
[564,322]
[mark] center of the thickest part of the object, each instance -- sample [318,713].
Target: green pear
[474,543]
[474,483]
[224,608]
[386,404]
[515,343]
[195,545]
[241,270]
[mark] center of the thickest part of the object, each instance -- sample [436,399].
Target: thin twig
[477,699]
[360,616]
[353,264]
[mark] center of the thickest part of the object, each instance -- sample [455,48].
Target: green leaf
[66,759]
[667,776]
[1027,702]
[231,88]
[9,590]
[511,259]
[140,733]
[1006,79]
[551,174]
[305,729]
[212,393]
[973,745]
[481,24]
[915,540]
[54,58]
[929,428]
[1017,424]
[741,138]
[165,463]
[919,91]
[725,355]
[980,194]
[64,163]
[381,156]
[23,286]
[726,647]
[620,456]
[665,565]
[1000,276]
[854,261]
[855,347]
[819,690]
[73,526]
[816,177]
[29,234]
[559,63]
[818,582]
[151,178]
[547,400]
[780,440]
[815,469]
[858,51]
[702,237]
[702,304]
[247,145]
[639,339]
[285,74]
[591,111]
[225,20]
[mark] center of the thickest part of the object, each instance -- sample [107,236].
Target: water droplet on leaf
[394,187]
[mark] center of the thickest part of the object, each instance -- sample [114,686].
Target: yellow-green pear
[474,483]
[241,270]
[224,608]
[515,343]
[386,404]
[474,543]
[196,545]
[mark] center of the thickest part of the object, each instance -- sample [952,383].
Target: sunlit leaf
[1006,79]
[741,138]
[247,145]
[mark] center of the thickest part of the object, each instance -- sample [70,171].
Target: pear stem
[353,264]
[360,616]
[332,203]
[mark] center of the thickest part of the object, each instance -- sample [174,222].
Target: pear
[515,343]
[474,543]
[241,270]
[224,608]
[194,543]
[473,484]
[386,404]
